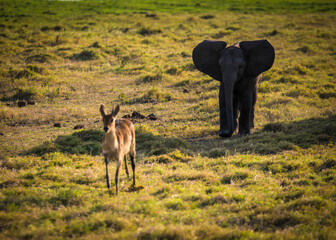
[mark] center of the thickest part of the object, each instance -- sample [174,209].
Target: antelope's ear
[115,110]
[260,56]
[206,56]
[102,110]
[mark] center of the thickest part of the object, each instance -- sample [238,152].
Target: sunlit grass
[69,57]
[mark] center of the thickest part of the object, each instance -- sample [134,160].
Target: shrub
[189,67]
[218,199]
[160,232]
[174,71]
[26,93]
[305,49]
[41,58]
[177,153]
[86,55]
[116,224]
[297,91]
[152,77]
[327,93]
[156,95]
[56,28]
[96,45]
[272,33]
[89,135]
[274,127]
[207,17]
[183,83]
[164,159]
[216,152]
[82,142]
[233,28]
[237,176]
[146,31]
[175,204]
[67,197]
[160,151]
[329,163]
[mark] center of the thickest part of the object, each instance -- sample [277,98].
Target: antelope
[119,140]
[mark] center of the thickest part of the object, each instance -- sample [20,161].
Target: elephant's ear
[260,56]
[206,56]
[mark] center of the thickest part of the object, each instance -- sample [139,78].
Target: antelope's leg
[133,166]
[107,173]
[117,174]
[126,168]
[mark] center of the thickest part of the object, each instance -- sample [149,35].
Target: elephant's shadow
[273,138]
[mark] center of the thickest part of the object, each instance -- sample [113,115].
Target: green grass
[68,57]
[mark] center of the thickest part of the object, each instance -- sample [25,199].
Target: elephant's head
[244,60]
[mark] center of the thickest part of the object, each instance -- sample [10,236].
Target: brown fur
[119,140]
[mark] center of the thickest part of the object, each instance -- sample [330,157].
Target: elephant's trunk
[227,90]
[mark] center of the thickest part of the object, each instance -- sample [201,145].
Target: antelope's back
[125,129]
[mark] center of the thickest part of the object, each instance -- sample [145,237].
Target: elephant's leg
[245,105]
[223,122]
[254,100]
[235,112]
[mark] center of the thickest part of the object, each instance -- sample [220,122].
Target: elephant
[238,68]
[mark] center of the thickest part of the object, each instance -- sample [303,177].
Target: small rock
[152,101]
[185,90]
[30,102]
[151,15]
[21,104]
[57,125]
[79,126]
[152,117]
[127,116]
[125,30]
[137,115]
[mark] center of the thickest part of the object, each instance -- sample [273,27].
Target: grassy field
[62,59]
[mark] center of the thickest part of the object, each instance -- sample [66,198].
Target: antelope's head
[109,119]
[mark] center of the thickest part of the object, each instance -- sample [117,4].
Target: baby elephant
[119,140]
[237,67]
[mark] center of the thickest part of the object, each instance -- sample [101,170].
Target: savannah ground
[68,57]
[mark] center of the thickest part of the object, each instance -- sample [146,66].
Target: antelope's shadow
[273,138]
[89,142]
